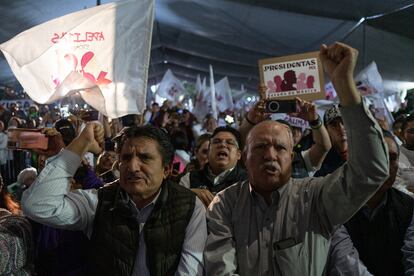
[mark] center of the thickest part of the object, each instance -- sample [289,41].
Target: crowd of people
[161,194]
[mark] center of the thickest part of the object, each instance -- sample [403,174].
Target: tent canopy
[232,35]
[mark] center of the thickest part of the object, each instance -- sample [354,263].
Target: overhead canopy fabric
[233,35]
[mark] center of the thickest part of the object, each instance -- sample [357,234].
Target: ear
[239,154]
[167,171]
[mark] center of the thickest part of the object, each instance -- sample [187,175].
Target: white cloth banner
[170,87]
[369,80]
[201,105]
[102,53]
[224,99]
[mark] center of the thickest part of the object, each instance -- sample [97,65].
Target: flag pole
[213,93]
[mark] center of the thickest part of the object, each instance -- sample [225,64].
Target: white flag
[213,94]
[101,52]
[369,80]
[202,102]
[170,87]
[224,100]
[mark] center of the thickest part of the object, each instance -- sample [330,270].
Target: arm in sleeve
[220,252]
[318,151]
[356,181]
[191,262]
[343,258]
[309,167]
[49,200]
[408,249]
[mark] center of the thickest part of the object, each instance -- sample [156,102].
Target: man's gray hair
[25,174]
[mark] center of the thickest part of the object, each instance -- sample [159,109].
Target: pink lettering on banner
[72,60]
[78,37]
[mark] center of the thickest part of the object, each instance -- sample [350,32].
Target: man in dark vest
[223,168]
[139,225]
[383,230]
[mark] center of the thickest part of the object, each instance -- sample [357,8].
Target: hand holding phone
[280,106]
[306,111]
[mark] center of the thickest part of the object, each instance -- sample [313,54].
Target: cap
[331,114]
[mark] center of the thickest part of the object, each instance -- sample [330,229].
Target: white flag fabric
[202,102]
[213,94]
[369,80]
[224,100]
[170,87]
[102,52]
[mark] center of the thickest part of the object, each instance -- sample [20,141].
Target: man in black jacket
[383,230]
[223,168]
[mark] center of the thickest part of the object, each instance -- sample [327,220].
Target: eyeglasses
[228,142]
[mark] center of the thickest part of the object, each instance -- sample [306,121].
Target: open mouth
[222,154]
[271,169]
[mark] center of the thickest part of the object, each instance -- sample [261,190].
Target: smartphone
[91,115]
[281,106]
[23,138]
[64,111]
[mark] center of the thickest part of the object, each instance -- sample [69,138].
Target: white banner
[170,87]
[101,52]
[369,80]
[224,99]
[202,103]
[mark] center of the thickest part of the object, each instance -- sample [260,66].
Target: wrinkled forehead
[224,135]
[141,143]
[271,130]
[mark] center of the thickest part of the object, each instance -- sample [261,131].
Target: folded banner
[102,53]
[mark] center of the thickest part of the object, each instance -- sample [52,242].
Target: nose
[270,154]
[134,165]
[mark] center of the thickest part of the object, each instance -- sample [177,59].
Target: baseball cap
[331,114]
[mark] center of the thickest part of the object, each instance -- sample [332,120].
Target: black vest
[203,178]
[115,237]
[379,241]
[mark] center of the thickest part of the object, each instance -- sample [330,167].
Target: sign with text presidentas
[293,76]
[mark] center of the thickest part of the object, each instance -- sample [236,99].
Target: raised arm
[367,167]
[49,199]
[318,151]
[254,116]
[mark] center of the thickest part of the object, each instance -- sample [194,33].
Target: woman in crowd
[15,237]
